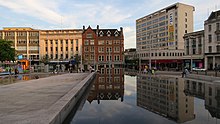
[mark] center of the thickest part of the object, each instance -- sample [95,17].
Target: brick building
[102,48]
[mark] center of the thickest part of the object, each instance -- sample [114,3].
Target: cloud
[35,8]
[129,37]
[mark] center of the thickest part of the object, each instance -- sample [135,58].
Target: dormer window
[101,33]
[116,33]
[108,33]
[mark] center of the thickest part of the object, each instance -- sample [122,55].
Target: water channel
[119,98]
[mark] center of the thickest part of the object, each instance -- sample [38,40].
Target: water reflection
[210,92]
[165,96]
[108,86]
[9,79]
[142,99]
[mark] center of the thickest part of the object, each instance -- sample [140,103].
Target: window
[185,25]
[210,38]
[89,35]
[185,19]
[101,50]
[51,48]
[66,41]
[185,31]
[86,49]
[56,42]
[218,37]
[61,49]
[210,28]
[101,58]
[86,42]
[108,49]
[210,49]
[46,49]
[210,91]
[56,49]
[66,48]
[101,42]
[117,58]
[217,27]
[218,48]
[61,42]
[185,13]
[91,42]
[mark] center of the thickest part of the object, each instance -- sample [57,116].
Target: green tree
[77,59]
[6,52]
[45,59]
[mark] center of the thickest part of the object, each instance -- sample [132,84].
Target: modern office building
[194,50]
[25,41]
[165,96]
[212,40]
[159,36]
[102,48]
[60,45]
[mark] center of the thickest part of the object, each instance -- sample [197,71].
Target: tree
[6,52]
[45,59]
[77,59]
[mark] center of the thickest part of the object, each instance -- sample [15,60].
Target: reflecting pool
[117,98]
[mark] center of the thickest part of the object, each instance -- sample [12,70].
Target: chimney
[121,29]
[83,28]
[97,31]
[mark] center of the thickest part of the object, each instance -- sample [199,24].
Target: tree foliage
[7,53]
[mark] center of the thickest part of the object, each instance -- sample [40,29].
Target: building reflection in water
[210,92]
[108,85]
[165,96]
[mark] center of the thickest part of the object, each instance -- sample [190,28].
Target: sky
[110,14]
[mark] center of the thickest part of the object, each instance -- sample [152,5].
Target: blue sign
[20,56]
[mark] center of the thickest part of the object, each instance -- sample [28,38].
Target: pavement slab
[28,102]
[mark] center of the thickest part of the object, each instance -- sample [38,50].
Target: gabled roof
[213,15]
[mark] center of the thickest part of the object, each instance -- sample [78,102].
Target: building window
[210,38]
[210,91]
[117,58]
[66,48]
[89,35]
[51,48]
[101,50]
[56,42]
[185,13]
[185,31]
[101,42]
[218,49]
[91,42]
[61,48]
[66,41]
[86,42]
[185,19]
[56,49]
[210,49]
[217,27]
[210,28]
[77,49]
[46,49]
[218,37]
[101,58]
[185,25]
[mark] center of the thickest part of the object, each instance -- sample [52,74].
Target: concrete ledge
[203,77]
[61,109]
